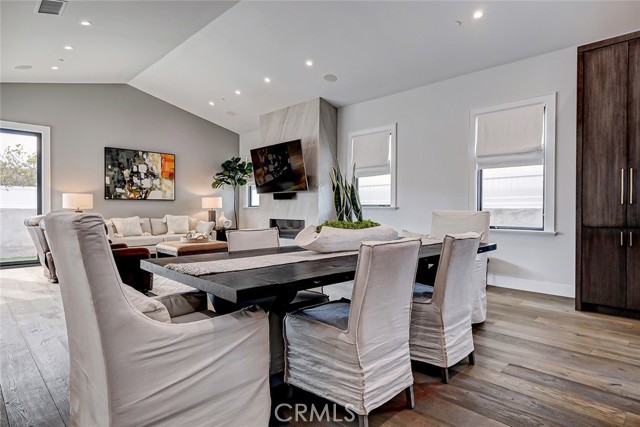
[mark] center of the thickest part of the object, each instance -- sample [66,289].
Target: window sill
[389,208]
[523,232]
[250,207]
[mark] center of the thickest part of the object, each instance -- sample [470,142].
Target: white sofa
[154,231]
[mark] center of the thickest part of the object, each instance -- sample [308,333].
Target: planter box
[339,239]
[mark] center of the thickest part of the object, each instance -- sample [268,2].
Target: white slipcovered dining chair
[265,238]
[127,369]
[249,239]
[441,333]
[356,354]
[450,222]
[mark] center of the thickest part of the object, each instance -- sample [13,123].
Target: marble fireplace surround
[315,123]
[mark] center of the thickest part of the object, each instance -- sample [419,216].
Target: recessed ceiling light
[54,68]
[238,92]
[267,80]
[212,103]
[23,67]
[478,14]
[85,23]
[309,63]
[330,78]
[67,47]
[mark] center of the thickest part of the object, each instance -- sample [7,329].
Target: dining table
[281,282]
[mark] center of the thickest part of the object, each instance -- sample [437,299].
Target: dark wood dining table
[280,281]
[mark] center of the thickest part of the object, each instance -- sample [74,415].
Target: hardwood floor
[538,363]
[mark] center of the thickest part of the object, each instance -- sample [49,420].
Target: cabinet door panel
[633,270]
[605,137]
[604,272]
[633,210]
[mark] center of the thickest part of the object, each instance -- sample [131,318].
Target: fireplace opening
[287,228]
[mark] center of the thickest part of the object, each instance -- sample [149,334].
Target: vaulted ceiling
[194,53]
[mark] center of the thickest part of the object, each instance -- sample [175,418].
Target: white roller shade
[371,154]
[512,137]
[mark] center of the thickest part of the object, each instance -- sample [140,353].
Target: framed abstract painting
[138,175]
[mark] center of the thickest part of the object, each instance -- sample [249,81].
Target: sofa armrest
[183,303]
[118,245]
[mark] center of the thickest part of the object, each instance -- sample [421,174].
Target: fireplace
[288,228]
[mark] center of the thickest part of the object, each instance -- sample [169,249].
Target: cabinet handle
[622,186]
[631,239]
[631,186]
[622,238]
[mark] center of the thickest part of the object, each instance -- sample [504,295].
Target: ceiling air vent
[51,7]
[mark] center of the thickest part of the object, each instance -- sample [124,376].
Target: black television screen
[279,167]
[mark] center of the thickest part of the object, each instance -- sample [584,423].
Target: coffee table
[167,249]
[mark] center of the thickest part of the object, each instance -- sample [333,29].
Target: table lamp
[212,203]
[77,201]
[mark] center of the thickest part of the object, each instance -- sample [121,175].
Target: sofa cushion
[177,224]
[133,241]
[128,226]
[158,226]
[150,307]
[145,224]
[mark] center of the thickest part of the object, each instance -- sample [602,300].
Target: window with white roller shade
[512,149]
[373,152]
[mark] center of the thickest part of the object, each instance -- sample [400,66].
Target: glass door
[20,194]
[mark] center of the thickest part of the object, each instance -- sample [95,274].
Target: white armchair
[449,222]
[129,369]
[356,353]
[441,333]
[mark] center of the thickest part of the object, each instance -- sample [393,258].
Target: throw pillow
[177,224]
[205,227]
[158,226]
[128,226]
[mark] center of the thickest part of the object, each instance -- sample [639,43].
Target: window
[24,190]
[513,152]
[373,154]
[253,198]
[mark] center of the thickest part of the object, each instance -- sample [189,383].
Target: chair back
[37,236]
[259,238]
[451,222]
[453,284]
[96,310]
[380,311]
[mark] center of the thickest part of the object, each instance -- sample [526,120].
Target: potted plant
[346,233]
[235,172]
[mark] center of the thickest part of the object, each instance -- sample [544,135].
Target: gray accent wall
[85,118]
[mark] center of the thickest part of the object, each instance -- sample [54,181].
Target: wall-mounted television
[279,168]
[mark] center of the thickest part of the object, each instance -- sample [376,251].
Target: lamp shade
[211,202]
[77,201]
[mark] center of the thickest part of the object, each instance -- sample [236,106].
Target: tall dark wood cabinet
[608,176]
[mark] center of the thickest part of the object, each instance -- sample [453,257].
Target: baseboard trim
[549,288]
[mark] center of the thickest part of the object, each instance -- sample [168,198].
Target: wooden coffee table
[166,249]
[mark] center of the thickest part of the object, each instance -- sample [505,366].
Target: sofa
[154,230]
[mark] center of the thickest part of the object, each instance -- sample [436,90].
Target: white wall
[85,118]
[433,164]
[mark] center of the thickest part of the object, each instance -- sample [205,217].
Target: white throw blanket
[261,261]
